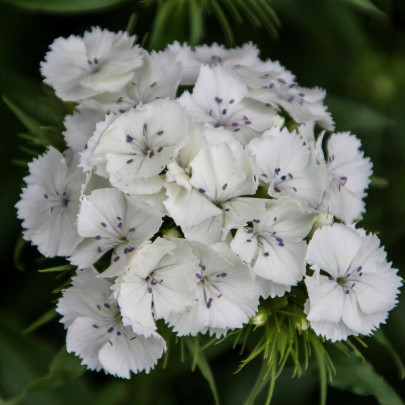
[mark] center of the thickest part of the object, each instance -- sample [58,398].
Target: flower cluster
[209,179]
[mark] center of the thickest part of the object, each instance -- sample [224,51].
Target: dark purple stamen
[217,125]
[290,176]
[110,330]
[160,132]
[209,303]
[290,99]
[283,178]
[301,94]
[116,258]
[250,231]
[271,85]
[130,249]
[95,326]
[231,101]
[235,124]
[131,230]
[277,170]
[264,175]
[95,60]
[129,138]
[118,333]
[236,130]
[267,254]
[132,338]
[227,209]
[223,111]
[199,276]
[160,149]
[218,100]
[149,289]
[248,240]
[256,221]
[359,268]
[294,189]
[225,186]
[119,225]
[103,224]
[330,278]
[98,237]
[151,154]
[108,306]
[111,343]
[153,85]
[202,267]
[277,190]
[45,195]
[201,190]
[129,161]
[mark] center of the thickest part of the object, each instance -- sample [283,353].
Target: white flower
[353,287]
[158,77]
[348,175]
[50,203]
[108,219]
[102,61]
[96,333]
[288,166]
[82,123]
[160,276]
[219,99]
[134,148]
[191,61]
[274,246]
[303,104]
[226,294]
[222,176]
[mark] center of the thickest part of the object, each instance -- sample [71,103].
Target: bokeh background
[353,50]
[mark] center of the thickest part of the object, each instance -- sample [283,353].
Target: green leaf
[63,368]
[384,342]
[357,376]
[31,124]
[201,362]
[63,267]
[45,318]
[19,251]
[378,182]
[64,6]
[367,6]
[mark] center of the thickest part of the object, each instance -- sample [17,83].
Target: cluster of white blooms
[203,199]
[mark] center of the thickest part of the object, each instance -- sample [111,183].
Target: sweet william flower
[348,176]
[191,60]
[219,98]
[226,294]
[134,148]
[353,287]
[95,331]
[50,203]
[274,246]
[288,166]
[102,61]
[160,279]
[109,219]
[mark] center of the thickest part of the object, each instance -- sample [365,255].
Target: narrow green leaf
[45,318]
[384,342]
[63,368]
[19,250]
[320,358]
[367,6]
[359,377]
[196,21]
[223,22]
[233,10]
[31,124]
[204,367]
[130,29]
[378,182]
[63,267]
[63,6]
[260,383]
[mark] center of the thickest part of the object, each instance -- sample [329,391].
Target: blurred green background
[353,50]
